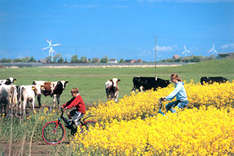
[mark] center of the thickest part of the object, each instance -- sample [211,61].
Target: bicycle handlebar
[160,102]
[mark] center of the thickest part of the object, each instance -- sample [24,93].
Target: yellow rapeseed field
[201,132]
[204,131]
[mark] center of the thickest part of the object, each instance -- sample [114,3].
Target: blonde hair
[175,76]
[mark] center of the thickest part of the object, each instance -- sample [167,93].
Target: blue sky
[116,28]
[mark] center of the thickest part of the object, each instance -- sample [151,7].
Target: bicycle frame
[66,120]
[62,117]
[59,126]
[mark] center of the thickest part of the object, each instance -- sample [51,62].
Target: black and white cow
[147,83]
[8,81]
[27,94]
[112,89]
[210,80]
[8,98]
[53,89]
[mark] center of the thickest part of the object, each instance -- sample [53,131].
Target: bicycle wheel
[53,133]
[87,124]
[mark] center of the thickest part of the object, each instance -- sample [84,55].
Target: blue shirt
[179,92]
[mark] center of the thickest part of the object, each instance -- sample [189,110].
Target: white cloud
[187,1]
[227,46]
[163,48]
[150,54]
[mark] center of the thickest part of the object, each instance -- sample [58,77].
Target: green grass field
[91,81]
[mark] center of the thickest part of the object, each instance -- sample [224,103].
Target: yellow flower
[127,127]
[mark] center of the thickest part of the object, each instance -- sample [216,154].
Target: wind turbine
[51,49]
[212,50]
[186,51]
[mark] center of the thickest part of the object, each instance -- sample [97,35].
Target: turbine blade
[56,44]
[45,48]
[49,42]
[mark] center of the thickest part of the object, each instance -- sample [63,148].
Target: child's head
[74,92]
[175,78]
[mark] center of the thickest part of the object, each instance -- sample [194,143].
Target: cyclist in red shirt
[78,104]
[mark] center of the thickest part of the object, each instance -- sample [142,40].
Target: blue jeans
[76,116]
[179,104]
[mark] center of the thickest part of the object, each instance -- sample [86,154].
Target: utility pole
[155,58]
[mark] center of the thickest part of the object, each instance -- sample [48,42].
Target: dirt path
[37,149]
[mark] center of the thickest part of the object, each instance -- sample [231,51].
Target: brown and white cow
[26,95]
[112,89]
[51,88]
[8,81]
[8,98]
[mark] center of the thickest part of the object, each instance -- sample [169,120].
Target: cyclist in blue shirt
[180,94]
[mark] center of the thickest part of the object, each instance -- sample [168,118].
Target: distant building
[223,55]
[130,61]
[139,61]
[44,61]
[112,61]
[133,61]
[176,57]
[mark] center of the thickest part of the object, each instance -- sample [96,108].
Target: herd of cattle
[16,98]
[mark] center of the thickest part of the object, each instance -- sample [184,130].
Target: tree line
[188,59]
[58,58]
[18,60]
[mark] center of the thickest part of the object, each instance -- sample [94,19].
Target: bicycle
[161,100]
[53,132]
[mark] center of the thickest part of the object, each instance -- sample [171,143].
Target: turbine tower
[51,49]
[212,51]
[186,51]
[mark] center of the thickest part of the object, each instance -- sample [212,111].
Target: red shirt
[76,102]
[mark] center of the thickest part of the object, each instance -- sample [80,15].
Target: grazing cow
[211,80]
[8,81]
[53,89]
[112,89]
[8,98]
[147,83]
[26,95]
